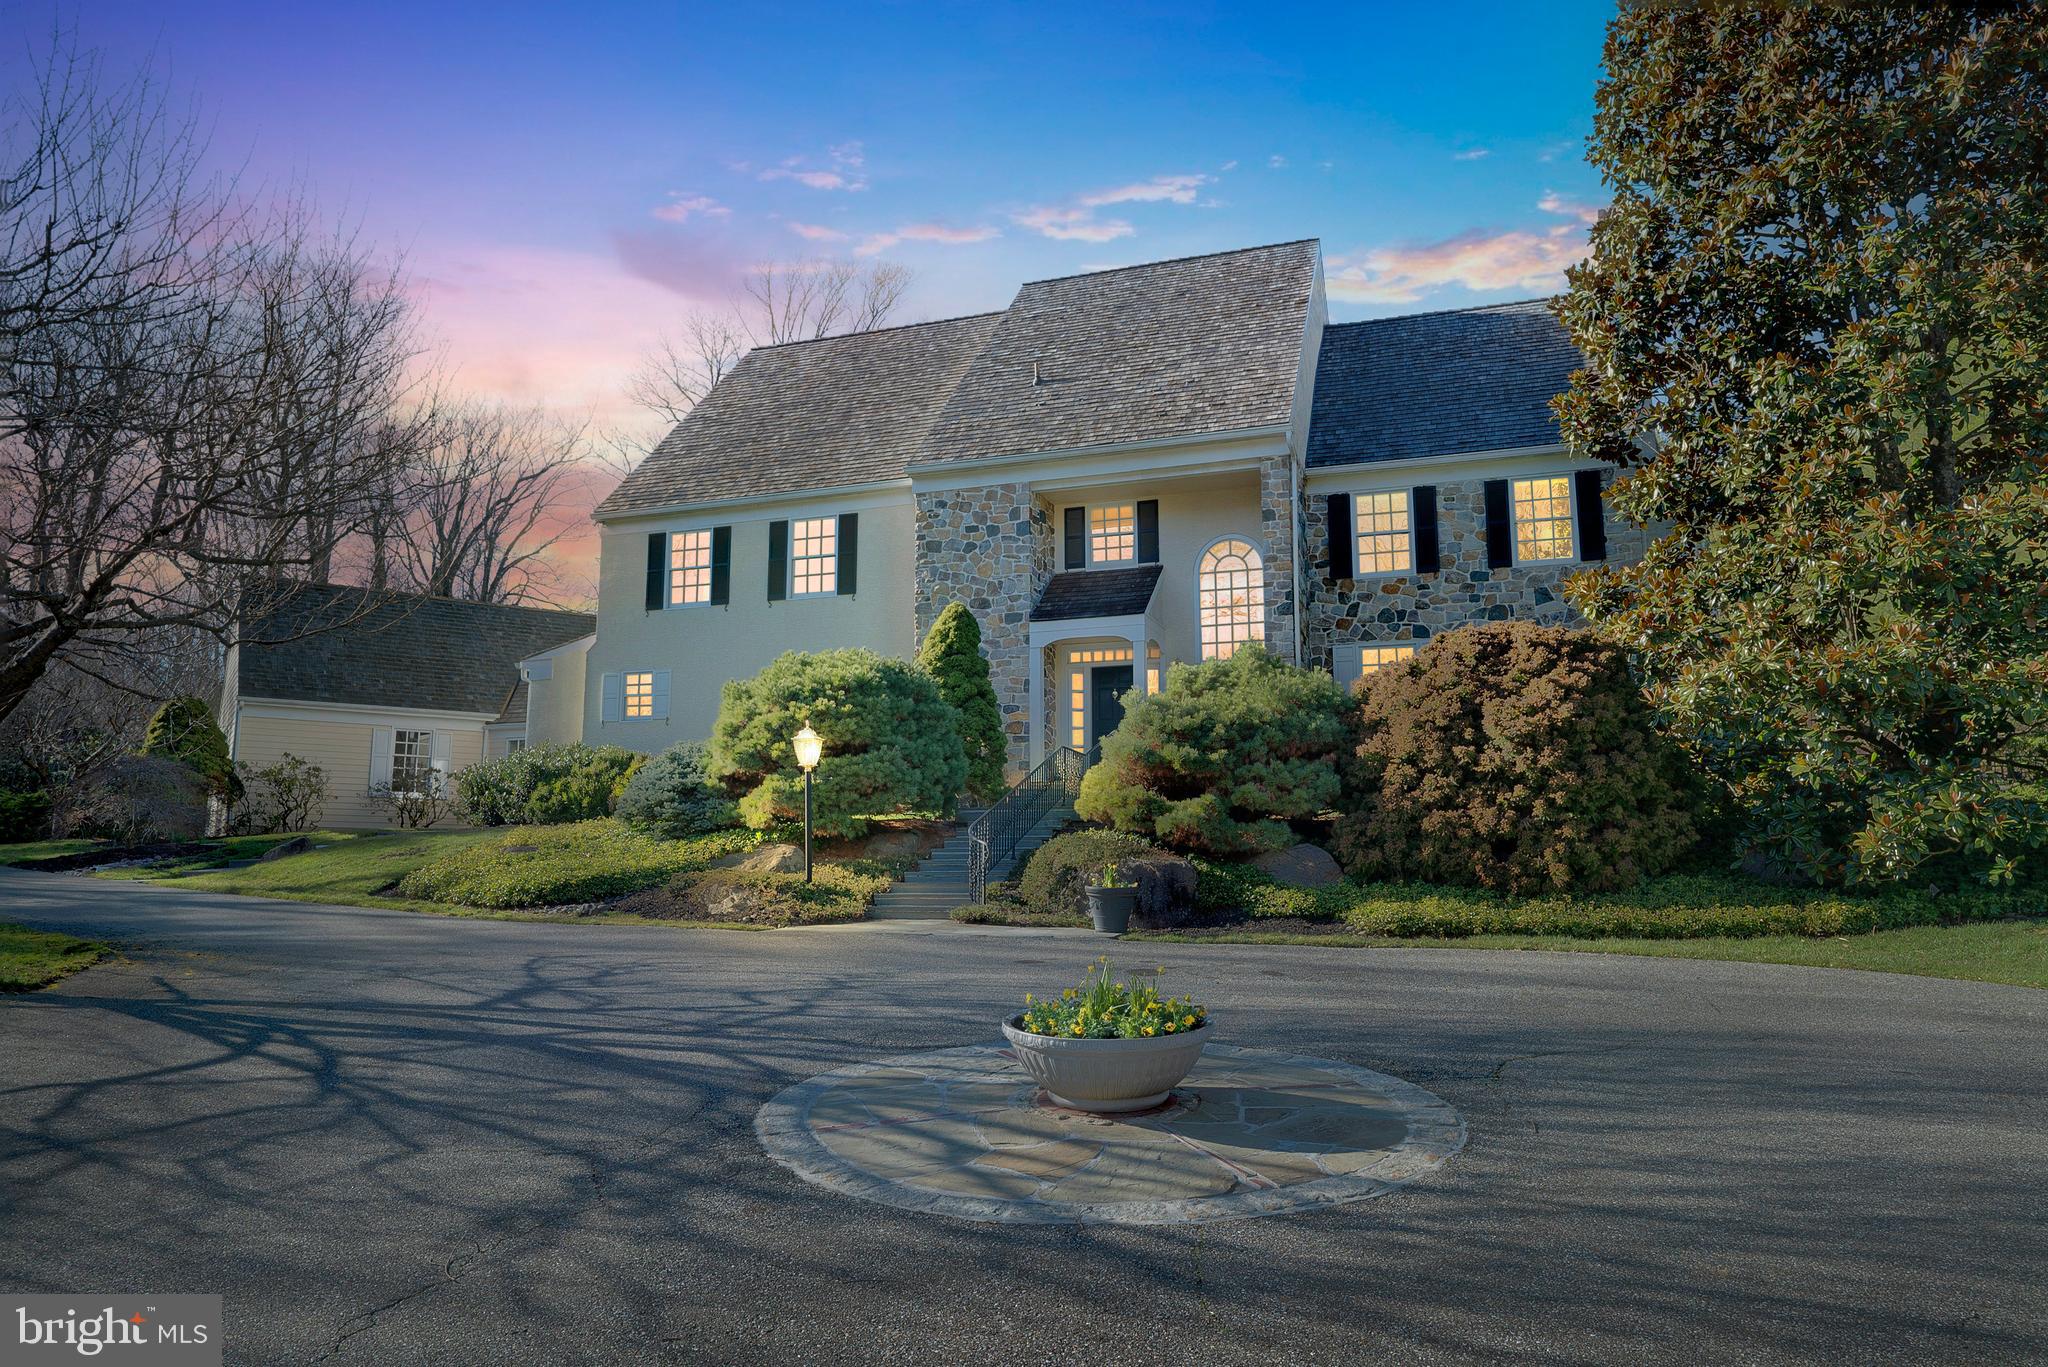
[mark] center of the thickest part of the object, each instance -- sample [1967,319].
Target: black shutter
[1428,554]
[1592,517]
[1148,531]
[657,571]
[1077,538]
[849,552]
[1499,531]
[1342,536]
[721,564]
[778,561]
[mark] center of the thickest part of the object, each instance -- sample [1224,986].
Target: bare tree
[481,524]
[797,302]
[192,402]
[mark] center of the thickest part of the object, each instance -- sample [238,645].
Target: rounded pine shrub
[892,743]
[1221,759]
[1516,757]
[951,654]
[670,796]
[184,730]
[1057,875]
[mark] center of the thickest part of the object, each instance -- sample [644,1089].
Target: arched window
[1233,597]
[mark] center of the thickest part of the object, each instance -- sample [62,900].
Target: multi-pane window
[1077,696]
[1383,536]
[814,555]
[412,755]
[1232,588]
[689,567]
[639,695]
[1371,658]
[1112,533]
[1543,518]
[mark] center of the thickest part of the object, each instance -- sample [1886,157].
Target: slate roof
[809,415]
[331,643]
[1435,384]
[514,710]
[1096,593]
[1168,349]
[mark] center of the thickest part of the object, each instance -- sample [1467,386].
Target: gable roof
[808,415]
[1096,593]
[1436,384]
[1169,349]
[334,643]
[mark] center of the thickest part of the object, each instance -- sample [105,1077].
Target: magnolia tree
[1815,321]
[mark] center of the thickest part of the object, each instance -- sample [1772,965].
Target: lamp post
[809,745]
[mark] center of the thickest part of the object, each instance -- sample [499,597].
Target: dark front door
[1107,686]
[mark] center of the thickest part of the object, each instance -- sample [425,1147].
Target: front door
[1107,685]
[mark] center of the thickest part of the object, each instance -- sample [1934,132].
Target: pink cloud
[1076,221]
[925,232]
[1072,225]
[1167,189]
[680,208]
[695,267]
[1521,259]
[816,232]
[845,171]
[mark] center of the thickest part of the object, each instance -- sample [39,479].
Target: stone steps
[939,883]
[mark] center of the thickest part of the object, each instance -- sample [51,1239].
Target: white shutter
[661,695]
[440,754]
[381,741]
[1348,665]
[614,695]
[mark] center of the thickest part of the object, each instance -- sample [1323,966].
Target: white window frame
[424,756]
[1258,620]
[1571,518]
[1358,569]
[675,538]
[796,561]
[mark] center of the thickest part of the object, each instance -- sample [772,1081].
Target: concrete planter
[1107,1075]
[1110,908]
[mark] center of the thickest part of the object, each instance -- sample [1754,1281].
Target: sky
[565,183]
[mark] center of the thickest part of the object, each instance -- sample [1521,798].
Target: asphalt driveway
[390,1138]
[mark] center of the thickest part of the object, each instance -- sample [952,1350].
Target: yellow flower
[1077,1027]
[1150,1031]
[1187,1020]
[1027,999]
[1169,1027]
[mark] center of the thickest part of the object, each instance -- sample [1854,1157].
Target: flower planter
[1107,1075]
[1111,908]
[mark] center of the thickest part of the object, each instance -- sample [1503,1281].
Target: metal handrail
[997,832]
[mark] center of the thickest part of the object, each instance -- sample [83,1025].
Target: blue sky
[566,182]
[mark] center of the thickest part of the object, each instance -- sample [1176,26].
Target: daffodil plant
[1106,1007]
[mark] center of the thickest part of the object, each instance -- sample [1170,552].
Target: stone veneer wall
[1277,504]
[990,547]
[1395,608]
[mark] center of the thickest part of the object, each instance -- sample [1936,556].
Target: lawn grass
[575,863]
[30,959]
[2014,952]
[43,849]
[353,870]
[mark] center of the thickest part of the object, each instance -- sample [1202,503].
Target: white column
[1138,646]
[1034,708]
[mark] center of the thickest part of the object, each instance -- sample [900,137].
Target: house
[367,683]
[1120,471]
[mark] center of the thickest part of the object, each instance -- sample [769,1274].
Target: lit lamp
[809,745]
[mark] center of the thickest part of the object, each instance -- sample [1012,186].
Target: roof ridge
[1171,261]
[301,585]
[1439,313]
[870,332]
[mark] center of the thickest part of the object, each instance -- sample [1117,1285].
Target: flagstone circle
[965,1132]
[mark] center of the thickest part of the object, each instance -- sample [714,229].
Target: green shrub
[540,866]
[1222,758]
[669,796]
[286,796]
[580,779]
[892,743]
[1056,877]
[951,654]
[183,729]
[1516,757]
[23,816]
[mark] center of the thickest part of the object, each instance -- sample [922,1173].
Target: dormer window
[1113,533]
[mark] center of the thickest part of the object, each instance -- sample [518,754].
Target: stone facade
[1279,504]
[1409,608]
[990,547]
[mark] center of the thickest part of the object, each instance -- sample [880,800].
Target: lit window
[1112,534]
[1371,658]
[412,755]
[1232,587]
[1077,685]
[689,567]
[1543,519]
[639,695]
[1152,668]
[814,555]
[1383,544]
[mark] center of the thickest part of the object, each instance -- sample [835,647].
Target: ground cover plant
[545,866]
[1105,1006]
[30,958]
[838,892]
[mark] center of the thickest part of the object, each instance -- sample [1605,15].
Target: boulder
[284,849]
[1301,866]
[894,844]
[771,859]
[1166,890]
